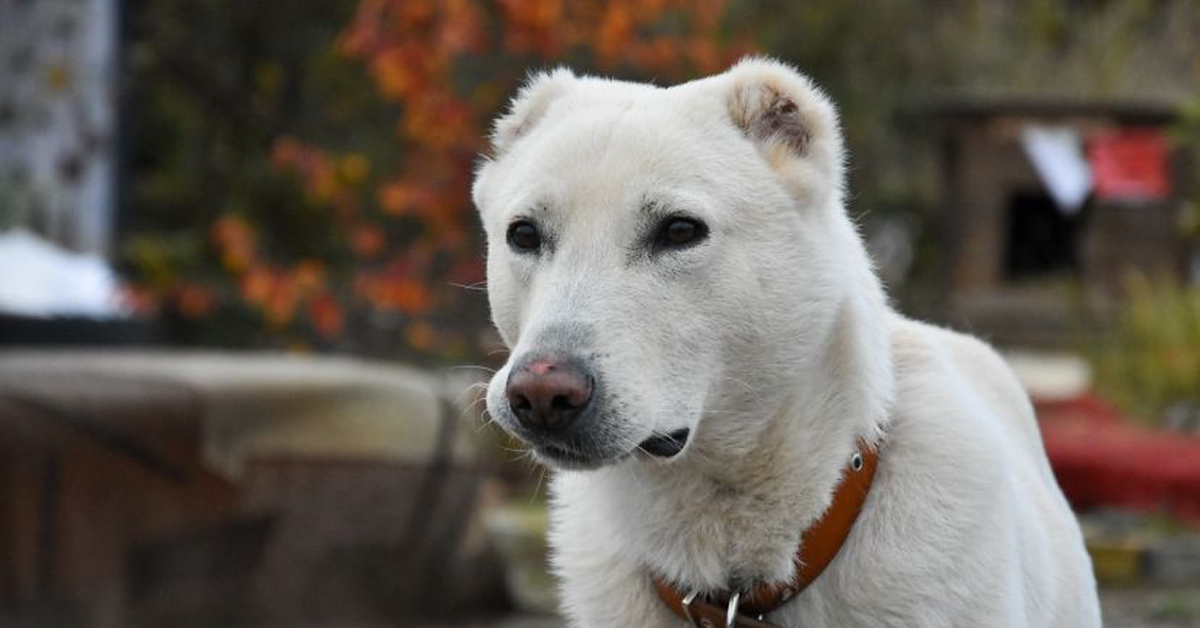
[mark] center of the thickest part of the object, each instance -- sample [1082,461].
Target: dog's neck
[729,517]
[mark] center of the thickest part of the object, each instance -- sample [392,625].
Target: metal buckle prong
[732,609]
[687,606]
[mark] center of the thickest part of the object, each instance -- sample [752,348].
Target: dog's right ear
[529,107]
[791,122]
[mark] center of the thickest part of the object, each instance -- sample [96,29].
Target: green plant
[1149,360]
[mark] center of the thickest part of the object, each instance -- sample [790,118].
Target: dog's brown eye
[523,236]
[678,232]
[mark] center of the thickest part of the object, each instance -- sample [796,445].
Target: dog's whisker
[470,408]
[484,415]
[538,486]
[745,385]
[488,421]
[461,367]
[479,285]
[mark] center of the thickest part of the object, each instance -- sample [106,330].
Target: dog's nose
[547,393]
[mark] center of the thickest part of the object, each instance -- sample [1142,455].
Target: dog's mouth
[666,445]
[661,446]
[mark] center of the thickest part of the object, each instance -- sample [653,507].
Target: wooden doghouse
[1017,262]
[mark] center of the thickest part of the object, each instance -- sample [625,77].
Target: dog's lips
[666,445]
[661,446]
[574,455]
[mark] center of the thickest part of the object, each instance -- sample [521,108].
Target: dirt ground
[1151,607]
[1130,607]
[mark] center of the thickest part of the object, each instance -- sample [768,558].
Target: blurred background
[242,310]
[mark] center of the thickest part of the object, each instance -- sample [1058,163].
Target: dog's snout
[547,393]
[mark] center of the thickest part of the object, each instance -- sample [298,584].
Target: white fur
[774,343]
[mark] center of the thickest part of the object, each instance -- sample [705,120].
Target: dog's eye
[523,237]
[678,232]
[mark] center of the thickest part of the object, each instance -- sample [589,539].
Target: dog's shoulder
[967,375]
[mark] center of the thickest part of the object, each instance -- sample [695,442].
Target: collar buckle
[687,607]
[731,611]
[705,617]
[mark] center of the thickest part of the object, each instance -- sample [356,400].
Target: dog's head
[662,262]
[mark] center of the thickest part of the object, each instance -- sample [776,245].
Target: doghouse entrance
[1041,240]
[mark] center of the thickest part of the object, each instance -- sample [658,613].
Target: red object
[1100,460]
[1130,165]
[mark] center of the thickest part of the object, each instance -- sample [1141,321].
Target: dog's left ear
[790,121]
[530,106]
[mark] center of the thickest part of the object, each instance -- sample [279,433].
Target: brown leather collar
[818,546]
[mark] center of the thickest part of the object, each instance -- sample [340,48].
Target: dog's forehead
[615,146]
[616,155]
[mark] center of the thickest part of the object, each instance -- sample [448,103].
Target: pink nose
[547,393]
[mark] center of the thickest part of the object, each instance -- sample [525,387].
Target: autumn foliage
[402,224]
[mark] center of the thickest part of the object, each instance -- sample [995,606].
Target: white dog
[703,353]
